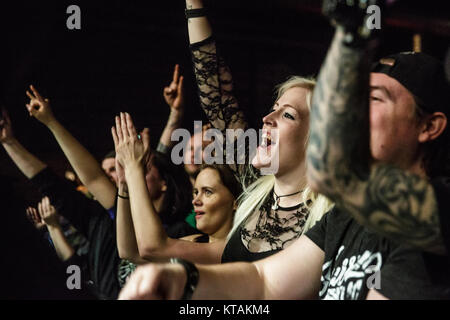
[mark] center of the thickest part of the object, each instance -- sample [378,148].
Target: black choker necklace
[276,204]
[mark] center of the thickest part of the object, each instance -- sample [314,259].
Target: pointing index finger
[176,73]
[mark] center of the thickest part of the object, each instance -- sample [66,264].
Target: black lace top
[267,231]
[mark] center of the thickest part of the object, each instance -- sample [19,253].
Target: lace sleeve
[215,89]
[215,86]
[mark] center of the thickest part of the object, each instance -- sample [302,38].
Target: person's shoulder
[181,229]
[337,215]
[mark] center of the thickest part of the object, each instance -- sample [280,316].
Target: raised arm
[24,160]
[151,238]
[48,214]
[293,273]
[126,237]
[174,97]
[391,201]
[213,76]
[85,165]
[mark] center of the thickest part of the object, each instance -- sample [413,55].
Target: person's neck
[288,183]
[414,166]
[418,169]
[222,233]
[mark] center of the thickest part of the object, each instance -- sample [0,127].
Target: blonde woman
[274,210]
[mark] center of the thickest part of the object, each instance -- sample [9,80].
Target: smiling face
[213,203]
[394,129]
[290,118]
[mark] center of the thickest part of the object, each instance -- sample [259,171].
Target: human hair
[254,196]
[110,154]
[178,196]
[227,178]
[436,153]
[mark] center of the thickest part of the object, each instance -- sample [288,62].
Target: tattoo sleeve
[396,204]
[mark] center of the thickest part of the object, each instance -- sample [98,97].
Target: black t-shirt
[93,221]
[180,229]
[441,188]
[235,250]
[29,267]
[357,260]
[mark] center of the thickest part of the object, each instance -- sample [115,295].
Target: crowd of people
[356,209]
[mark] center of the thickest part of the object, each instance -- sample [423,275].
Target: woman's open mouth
[266,140]
[199,214]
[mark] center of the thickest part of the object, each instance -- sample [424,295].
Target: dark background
[124,54]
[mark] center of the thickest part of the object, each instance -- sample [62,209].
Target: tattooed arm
[393,202]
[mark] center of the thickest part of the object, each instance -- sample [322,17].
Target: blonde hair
[254,196]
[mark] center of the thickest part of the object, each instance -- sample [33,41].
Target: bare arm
[395,203]
[152,240]
[293,273]
[126,238]
[174,96]
[24,160]
[85,165]
[48,214]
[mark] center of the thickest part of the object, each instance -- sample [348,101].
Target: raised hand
[34,218]
[174,93]
[6,133]
[47,212]
[39,107]
[131,149]
[120,172]
[349,14]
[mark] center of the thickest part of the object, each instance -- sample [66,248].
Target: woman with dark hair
[169,189]
[177,201]
[141,234]
[105,192]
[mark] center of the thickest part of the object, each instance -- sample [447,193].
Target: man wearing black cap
[409,130]
[379,149]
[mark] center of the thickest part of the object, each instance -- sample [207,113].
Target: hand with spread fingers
[131,149]
[34,218]
[174,93]
[120,172]
[6,133]
[47,212]
[39,107]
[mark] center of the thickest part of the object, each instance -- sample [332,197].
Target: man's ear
[163,186]
[432,127]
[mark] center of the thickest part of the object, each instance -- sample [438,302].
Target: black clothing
[264,232]
[180,229]
[94,222]
[357,260]
[30,266]
[236,251]
[441,188]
